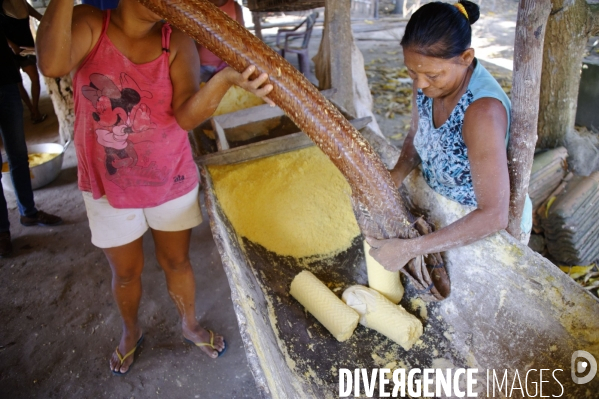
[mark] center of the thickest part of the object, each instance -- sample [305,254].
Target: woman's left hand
[256,86]
[393,254]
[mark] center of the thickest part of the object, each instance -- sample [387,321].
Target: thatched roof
[283,5]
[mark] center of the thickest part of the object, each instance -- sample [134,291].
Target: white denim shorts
[112,227]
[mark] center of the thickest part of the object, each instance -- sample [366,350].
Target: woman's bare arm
[192,105]
[65,36]
[14,47]
[484,130]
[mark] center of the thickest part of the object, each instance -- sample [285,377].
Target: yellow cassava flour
[295,204]
[236,99]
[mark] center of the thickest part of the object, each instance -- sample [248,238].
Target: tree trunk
[61,94]
[568,30]
[528,57]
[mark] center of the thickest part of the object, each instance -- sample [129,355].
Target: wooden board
[261,149]
[249,116]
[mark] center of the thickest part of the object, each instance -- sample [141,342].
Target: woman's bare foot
[199,335]
[128,342]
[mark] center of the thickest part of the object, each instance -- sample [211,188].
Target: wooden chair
[302,50]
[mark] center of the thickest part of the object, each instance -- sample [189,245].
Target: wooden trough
[510,309]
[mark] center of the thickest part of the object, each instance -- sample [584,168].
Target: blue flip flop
[130,353]
[210,344]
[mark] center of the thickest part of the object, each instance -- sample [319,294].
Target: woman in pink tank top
[136,94]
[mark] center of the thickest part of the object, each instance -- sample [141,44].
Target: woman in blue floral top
[459,132]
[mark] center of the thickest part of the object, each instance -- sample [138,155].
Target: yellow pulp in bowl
[34,160]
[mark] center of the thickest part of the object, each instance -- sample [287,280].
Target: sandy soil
[60,324]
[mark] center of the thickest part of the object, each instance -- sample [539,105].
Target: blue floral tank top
[444,154]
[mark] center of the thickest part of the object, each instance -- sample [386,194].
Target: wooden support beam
[333,63]
[528,59]
[257,25]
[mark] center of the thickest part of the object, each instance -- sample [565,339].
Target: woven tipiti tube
[377,204]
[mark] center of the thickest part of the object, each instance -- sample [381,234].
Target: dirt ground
[60,324]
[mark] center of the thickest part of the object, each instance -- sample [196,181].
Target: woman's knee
[178,263]
[125,276]
[126,273]
[126,261]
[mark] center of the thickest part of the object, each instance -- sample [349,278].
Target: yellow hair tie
[462,9]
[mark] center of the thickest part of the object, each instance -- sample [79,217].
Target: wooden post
[333,63]
[257,24]
[528,58]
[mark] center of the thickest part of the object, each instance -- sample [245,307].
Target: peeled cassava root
[322,303]
[376,201]
[385,282]
[382,315]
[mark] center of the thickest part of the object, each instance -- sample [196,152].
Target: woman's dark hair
[440,30]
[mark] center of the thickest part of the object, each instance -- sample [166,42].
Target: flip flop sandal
[210,344]
[130,353]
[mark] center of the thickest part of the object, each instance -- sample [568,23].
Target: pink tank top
[129,145]
[206,56]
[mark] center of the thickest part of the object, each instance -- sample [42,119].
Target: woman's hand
[191,104]
[393,254]
[25,51]
[256,86]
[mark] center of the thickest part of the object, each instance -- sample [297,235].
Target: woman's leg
[172,252]
[26,99]
[127,263]
[34,75]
